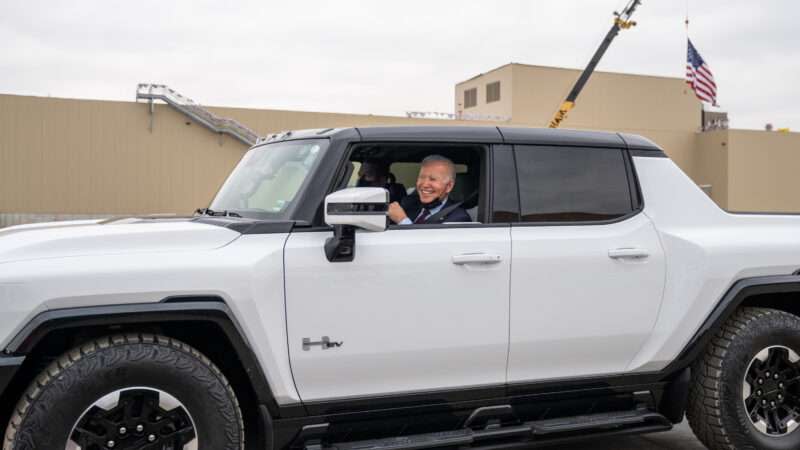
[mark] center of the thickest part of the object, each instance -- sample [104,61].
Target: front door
[419,309]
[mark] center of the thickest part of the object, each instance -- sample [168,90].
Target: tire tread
[16,438]
[704,410]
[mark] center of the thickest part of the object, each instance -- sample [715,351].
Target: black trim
[452,134]
[248,226]
[676,395]
[733,298]
[560,137]
[357,209]
[408,400]
[585,223]
[637,198]
[149,313]
[436,226]
[268,434]
[640,144]
[341,247]
[648,153]
[405,414]
[8,367]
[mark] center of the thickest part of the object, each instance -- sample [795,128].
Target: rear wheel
[745,391]
[140,392]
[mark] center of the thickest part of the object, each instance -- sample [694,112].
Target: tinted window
[470,97]
[562,184]
[505,201]
[493,92]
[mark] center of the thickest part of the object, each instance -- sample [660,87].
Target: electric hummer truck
[595,291]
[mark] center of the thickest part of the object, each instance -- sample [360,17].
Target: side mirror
[348,209]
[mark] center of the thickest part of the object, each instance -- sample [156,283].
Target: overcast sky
[387,57]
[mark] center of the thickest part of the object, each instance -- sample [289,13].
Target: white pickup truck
[595,291]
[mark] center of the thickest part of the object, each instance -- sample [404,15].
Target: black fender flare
[740,291]
[174,309]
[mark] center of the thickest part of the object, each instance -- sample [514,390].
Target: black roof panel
[432,133]
[478,134]
[636,142]
[550,136]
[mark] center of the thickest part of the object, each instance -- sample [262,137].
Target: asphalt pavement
[679,438]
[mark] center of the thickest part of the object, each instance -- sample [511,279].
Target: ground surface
[680,438]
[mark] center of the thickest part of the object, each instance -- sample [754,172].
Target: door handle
[476,258]
[628,253]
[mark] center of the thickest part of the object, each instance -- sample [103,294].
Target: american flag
[699,76]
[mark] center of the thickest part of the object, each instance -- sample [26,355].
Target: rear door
[587,268]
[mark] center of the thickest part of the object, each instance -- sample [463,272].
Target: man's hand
[396,212]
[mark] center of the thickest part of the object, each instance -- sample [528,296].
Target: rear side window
[571,184]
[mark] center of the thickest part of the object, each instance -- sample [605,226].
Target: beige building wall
[763,170]
[710,164]
[98,157]
[68,156]
[501,108]
[750,170]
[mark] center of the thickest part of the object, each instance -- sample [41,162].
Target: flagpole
[702,104]
[687,19]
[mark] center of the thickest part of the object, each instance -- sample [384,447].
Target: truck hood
[95,237]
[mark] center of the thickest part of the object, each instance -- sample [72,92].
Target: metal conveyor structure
[196,112]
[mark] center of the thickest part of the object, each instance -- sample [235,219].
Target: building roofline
[486,73]
[539,66]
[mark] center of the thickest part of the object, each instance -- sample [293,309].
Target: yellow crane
[622,21]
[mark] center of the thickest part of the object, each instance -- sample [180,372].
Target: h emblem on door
[324,342]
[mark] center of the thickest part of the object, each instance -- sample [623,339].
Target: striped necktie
[424,214]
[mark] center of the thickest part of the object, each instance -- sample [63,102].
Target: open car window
[400,164]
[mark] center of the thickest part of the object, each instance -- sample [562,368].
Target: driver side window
[396,167]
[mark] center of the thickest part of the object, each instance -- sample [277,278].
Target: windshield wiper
[211,212]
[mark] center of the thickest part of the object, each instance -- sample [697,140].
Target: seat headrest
[465,189]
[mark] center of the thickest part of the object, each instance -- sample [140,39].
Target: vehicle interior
[403,163]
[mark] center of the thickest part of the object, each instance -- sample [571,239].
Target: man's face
[433,182]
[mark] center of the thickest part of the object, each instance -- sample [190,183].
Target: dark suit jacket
[412,207]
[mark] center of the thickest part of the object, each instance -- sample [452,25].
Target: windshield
[268,179]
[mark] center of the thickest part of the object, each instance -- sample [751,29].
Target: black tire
[47,412]
[716,408]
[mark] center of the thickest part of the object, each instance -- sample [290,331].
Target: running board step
[587,422]
[534,431]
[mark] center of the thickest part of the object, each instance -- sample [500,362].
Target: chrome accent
[760,422]
[165,400]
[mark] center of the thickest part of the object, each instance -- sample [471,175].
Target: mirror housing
[360,207]
[348,209]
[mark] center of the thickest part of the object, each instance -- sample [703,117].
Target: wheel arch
[780,292]
[205,323]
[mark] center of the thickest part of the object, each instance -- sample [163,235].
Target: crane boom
[621,21]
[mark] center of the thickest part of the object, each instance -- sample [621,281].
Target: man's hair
[439,159]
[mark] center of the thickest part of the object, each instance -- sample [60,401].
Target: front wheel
[128,392]
[745,391]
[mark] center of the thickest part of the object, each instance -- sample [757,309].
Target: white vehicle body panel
[408,317]
[88,239]
[148,262]
[576,309]
[707,251]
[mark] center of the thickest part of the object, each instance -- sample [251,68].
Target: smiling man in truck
[437,177]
